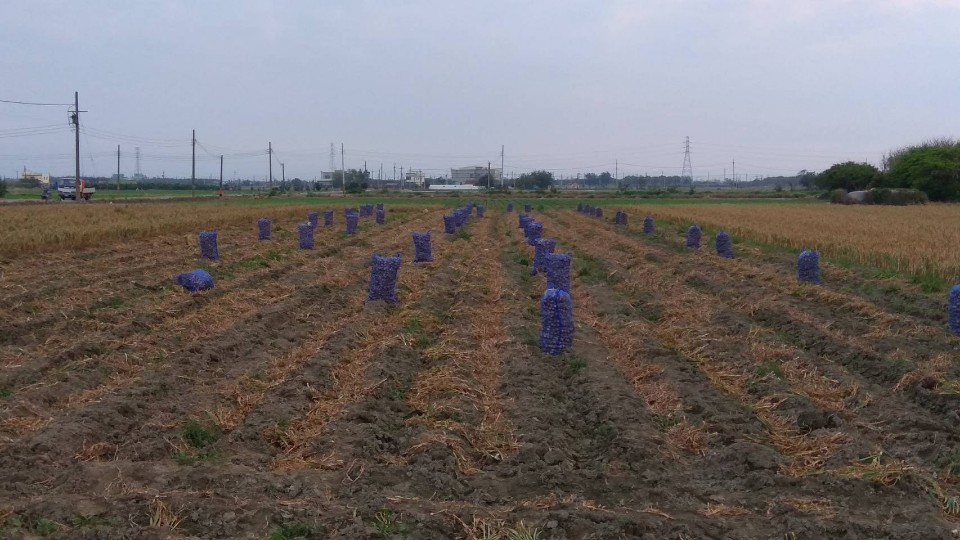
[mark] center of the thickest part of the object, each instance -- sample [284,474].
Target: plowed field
[703,397]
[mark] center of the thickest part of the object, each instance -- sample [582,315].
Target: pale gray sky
[573,86]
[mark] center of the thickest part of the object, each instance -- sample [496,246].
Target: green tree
[932,167]
[535,180]
[849,176]
[806,178]
[353,176]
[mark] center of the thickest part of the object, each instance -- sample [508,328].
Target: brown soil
[703,398]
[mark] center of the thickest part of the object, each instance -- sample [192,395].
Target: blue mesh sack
[197,280]
[313,218]
[724,245]
[383,278]
[557,266]
[423,251]
[379,206]
[449,224]
[556,322]
[598,212]
[540,248]
[953,310]
[523,220]
[348,211]
[648,226]
[534,230]
[480,210]
[352,221]
[305,234]
[527,208]
[808,267]
[208,246]
[509,207]
[381,216]
[263,229]
[328,218]
[621,218]
[693,237]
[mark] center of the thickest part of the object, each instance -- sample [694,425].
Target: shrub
[897,197]
[849,176]
[838,196]
[932,167]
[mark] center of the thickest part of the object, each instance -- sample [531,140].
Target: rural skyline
[572,87]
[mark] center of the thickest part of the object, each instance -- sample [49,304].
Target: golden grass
[910,238]
[37,228]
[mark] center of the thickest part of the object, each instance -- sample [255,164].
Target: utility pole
[283,175]
[616,171]
[221,175]
[193,165]
[734,163]
[380,176]
[118,167]
[401,178]
[394,172]
[76,124]
[501,167]
[343,171]
[270,168]
[488,175]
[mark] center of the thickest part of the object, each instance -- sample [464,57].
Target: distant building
[474,175]
[413,179]
[43,179]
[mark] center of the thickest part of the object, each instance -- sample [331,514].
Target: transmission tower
[686,174]
[333,159]
[137,174]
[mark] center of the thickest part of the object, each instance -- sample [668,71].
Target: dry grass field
[903,238]
[702,398]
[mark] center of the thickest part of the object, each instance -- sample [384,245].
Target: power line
[12,102]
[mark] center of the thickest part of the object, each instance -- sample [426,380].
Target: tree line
[932,167]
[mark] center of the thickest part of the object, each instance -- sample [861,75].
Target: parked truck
[67,188]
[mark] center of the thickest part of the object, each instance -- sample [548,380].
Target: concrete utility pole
[502,171]
[193,165]
[118,167]
[380,176]
[221,175]
[488,175]
[401,178]
[283,175]
[270,168]
[343,171]
[76,124]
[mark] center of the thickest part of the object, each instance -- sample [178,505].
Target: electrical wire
[13,102]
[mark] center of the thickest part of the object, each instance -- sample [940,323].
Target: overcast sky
[571,86]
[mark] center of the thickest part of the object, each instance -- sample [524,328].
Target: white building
[473,175]
[44,179]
